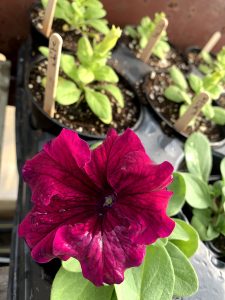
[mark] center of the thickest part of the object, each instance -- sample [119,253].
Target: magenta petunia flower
[102,206]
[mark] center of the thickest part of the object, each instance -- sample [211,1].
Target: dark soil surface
[80,117]
[173,57]
[154,86]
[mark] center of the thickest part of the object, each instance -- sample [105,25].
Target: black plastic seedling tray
[29,280]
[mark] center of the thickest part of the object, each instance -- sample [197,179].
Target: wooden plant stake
[55,49]
[195,108]
[147,51]
[212,42]
[48,18]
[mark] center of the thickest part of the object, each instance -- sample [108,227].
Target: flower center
[106,203]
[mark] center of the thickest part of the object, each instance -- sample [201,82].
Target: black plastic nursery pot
[41,120]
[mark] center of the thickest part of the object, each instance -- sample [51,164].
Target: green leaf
[179,189]
[85,75]
[67,92]
[44,51]
[183,109]
[178,78]
[154,279]
[195,83]
[219,115]
[222,169]
[179,233]
[198,155]
[186,280]
[190,246]
[115,91]
[215,91]
[175,94]
[84,51]
[105,73]
[206,232]
[131,31]
[94,13]
[206,57]
[114,297]
[73,286]
[109,42]
[99,25]
[203,215]
[205,69]
[99,104]
[68,65]
[197,192]
[208,110]
[71,265]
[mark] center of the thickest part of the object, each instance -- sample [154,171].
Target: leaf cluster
[211,64]
[184,91]
[81,14]
[143,32]
[165,273]
[206,199]
[89,76]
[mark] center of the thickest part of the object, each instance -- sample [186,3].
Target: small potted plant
[90,96]
[72,19]
[205,185]
[96,210]
[163,54]
[170,94]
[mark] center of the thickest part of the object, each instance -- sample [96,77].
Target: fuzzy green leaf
[179,189]
[195,83]
[71,265]
[108,43]
[99,104]
[186,280]
[84,51]
[68,65]
[73,286]
[115,92]
[67,92]
[154,279]
[197,192]
[99,25]
[105,73]
[176,94]
[198,155]
[178,78]
[219,115]
[187,246]
[94,13]
[85,75]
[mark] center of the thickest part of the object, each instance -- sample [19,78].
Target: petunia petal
[68,150]
[135,174]
[104,254]
[96,168]
[47,179]
[109,155]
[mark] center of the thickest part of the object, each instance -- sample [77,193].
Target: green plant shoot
[89,77]
[143,32]
[81,15]
[183,92]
